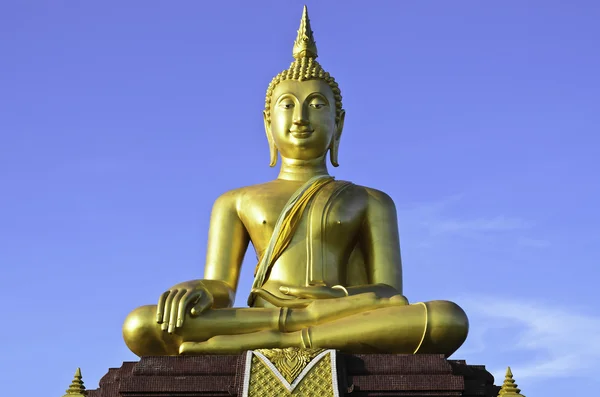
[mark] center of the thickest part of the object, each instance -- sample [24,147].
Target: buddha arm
[227,243]
[380,244]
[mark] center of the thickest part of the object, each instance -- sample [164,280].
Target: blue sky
[121,122]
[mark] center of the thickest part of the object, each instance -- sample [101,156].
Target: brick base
[360,375]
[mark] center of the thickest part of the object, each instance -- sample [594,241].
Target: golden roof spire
[77,389]
[509,387]
[305,45]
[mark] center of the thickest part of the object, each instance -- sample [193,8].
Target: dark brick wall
[360,375]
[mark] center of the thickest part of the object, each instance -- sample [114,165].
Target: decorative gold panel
[291,372]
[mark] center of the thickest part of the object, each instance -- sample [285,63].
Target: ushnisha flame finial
[305,45]
[304,67]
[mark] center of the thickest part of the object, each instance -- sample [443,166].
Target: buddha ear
[335,142]
[272,148]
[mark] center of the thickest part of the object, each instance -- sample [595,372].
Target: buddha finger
[276,301]
[160,308]
[299,292]
[167,312]
[186,301]
[203,302]
[269,297]
[175,310]
[313,292]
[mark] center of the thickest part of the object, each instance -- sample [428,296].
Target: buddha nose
[300,122]
[300,118]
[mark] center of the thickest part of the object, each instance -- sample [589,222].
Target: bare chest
[335,220]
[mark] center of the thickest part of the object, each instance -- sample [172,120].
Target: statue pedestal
[358,375]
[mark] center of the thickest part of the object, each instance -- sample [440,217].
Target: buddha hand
[303,296]
[172,304]
[315,292]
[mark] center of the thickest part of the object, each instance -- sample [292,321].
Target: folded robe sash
[285,227]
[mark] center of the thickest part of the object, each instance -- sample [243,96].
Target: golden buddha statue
[329,273]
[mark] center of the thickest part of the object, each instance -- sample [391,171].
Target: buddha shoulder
[263,192]
[367,196]
[279,191]
[378,201]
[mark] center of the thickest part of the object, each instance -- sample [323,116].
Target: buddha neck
[301,170]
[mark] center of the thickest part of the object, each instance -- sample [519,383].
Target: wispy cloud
[492,224]
[538,339]
[564,342]
[437,219]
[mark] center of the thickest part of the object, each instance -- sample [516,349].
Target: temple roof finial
[77,389]
[509,387]
[305,45]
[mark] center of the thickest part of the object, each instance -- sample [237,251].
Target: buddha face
[302,124]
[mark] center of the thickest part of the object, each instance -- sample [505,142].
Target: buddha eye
[286,105]
[317,105]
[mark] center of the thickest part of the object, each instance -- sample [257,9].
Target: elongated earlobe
[333,152]
[334,147]
[273,152]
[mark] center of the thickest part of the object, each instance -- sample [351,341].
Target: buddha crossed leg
[359,324]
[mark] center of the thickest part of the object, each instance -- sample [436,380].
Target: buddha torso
[334,234]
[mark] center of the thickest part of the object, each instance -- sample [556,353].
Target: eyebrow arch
[317,94]
[285,96]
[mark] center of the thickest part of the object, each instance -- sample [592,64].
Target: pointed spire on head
[509,387]
[77,389]
[305,45]
[304,67]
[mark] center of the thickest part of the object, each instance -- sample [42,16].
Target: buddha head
[303,108]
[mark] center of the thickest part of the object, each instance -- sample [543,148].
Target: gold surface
[337,281]
[509,387]
[291,360]
[317,382]
[76,389]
